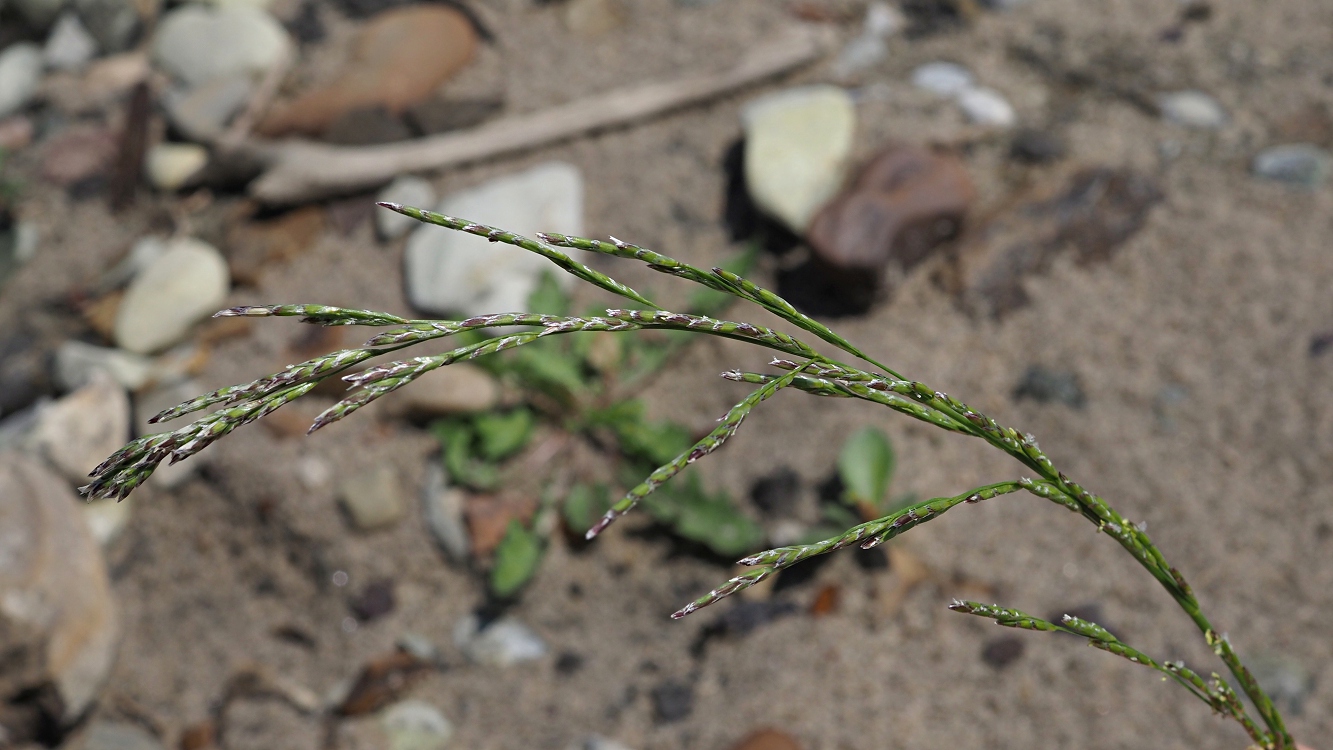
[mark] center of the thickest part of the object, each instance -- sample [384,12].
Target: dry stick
[301,171]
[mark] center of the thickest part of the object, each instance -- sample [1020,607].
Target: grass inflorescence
[805,369]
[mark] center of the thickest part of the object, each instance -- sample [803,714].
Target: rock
[23,370]
[115,24]
[1044,385]
[20,72]
[904,202]
[1036,147]
[672,701]
[70,46]
[79,153]
[171,166]
[76,363]
[109,735]
[57,615]
[441,115]
[593,18]
[398,59]
[77,432]
[419,647]
[453,272]
[1002,651]
[987,107]
[448,390]
[1297,164]
[18,245]
[197,43]
[767,739]
[407,190]
[39,14]
[777,494]
[1192,109]
[882,21]
[442,507]
[188,283]
[796,147]
[202,113]
[375,601]
[942,78]
[16,133]
[373,499]
[416,725]
[502,643]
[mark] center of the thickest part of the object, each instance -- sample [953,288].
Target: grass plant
[800,367]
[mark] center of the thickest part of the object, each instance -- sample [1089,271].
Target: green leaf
[865,466]
[711,520]
[654,442]
[546,367]
[584,505]
[516,560]
[548,298]
[502,435]
[456,440]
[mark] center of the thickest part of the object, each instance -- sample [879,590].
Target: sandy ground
[1217,298]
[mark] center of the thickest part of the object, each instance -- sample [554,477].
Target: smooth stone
[115,24]
[69,46]
[20,72]
[454,272]
[987,107]
[23,369]
[197,44]
[942,78]
[188,283]
[109,735]
[39,14]
[18,245]
[593,18]
[171,166]
[76,364]
[503,643]
[1192,109]
[373,499]
[1300,164]
[58,621]
[107,517]
[442,507]
[457,389]
[416,725]
[203,113]
[871,47]
[797,143]
[77,432]
[406,190]
[399,58]
[1036,147]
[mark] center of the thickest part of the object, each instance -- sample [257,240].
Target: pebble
[187,284]
[20,72]
[904,202]
[882,21]
[672,701]
[987,107]
[115,735]
[597,742]
[59,615]
[75,433]
[202,113]
[406,190]
[1044,385]
[767,739]
[76,363]
[416,725]
[373,499]
[374,601]
[1192,109]
[69,46]
[942,78]
[777,494]
[1036,147]
[172,166]
[593,18]
[197,43]
[115,24]
[797,143]
[502,643]
[1299,164]
[23,369]
[455,389]
[442,507]
[18,245]
[453,272]
[399,58]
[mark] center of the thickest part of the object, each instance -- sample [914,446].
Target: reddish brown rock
[767,739]
[399,59]
[902,205]
[488,518]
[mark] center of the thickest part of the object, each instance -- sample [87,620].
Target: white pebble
[943,78]
[987,107]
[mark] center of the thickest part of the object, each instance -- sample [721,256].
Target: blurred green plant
[801,367]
